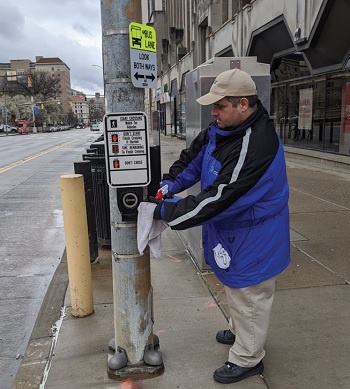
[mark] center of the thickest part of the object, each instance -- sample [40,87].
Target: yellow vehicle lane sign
[142,37]
[143,55]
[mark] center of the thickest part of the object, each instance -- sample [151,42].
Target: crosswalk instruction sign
[127,149]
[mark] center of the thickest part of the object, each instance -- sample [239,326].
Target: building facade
[96,108]
[59,70]
[81,109]
[305,42]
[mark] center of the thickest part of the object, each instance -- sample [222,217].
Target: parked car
[50,129]
[7,128]
[94,127]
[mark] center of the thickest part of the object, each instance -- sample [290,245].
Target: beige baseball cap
[233,82]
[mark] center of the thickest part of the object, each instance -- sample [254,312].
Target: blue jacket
[243,203]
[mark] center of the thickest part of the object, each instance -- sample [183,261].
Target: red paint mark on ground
[211,304]
[129,384]
[174,259]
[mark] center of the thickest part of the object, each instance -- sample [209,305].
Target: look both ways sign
[143,55]
[127,149]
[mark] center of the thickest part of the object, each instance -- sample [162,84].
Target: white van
[95,127]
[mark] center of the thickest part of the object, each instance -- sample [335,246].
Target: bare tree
[41,83]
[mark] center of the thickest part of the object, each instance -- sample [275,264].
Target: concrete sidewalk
[309,338]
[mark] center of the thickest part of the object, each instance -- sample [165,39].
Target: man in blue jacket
[243,208]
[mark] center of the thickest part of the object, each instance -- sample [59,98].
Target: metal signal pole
[136,348]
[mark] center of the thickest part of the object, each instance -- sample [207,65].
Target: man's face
[228,116]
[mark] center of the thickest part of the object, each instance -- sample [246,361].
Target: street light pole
[33,112]
[5,110]
[99,66]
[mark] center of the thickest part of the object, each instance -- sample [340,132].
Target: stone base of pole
[137,371]
[151,366]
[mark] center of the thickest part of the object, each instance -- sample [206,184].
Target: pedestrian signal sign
[127,149]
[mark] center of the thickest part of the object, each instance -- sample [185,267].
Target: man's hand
[157,211]
[168,195]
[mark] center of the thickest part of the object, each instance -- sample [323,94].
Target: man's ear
[244,104]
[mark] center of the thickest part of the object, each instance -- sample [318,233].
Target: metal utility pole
[4,111]
[136,348]
[33,113]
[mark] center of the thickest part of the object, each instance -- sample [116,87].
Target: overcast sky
[68,29]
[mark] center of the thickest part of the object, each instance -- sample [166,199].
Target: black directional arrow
[144,76]
[150,77]
[137,76]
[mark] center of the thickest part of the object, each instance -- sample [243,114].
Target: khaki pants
[250,310]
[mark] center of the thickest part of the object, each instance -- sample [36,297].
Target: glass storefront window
[310,112]
[160,109]
[289,67]
[277,109]
[181,108]
[335,139]
[173,116]
[174,113]
[314,113]
[182,114]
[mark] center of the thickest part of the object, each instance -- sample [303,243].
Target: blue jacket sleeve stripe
[234,177]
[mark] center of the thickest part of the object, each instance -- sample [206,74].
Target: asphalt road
[31,230]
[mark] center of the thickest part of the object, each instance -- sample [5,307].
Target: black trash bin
[96,155]
[156,174]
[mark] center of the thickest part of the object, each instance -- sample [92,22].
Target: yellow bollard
[77,244]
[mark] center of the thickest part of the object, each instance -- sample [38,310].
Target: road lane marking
[24,160]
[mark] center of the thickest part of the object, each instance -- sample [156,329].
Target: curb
[31,371]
